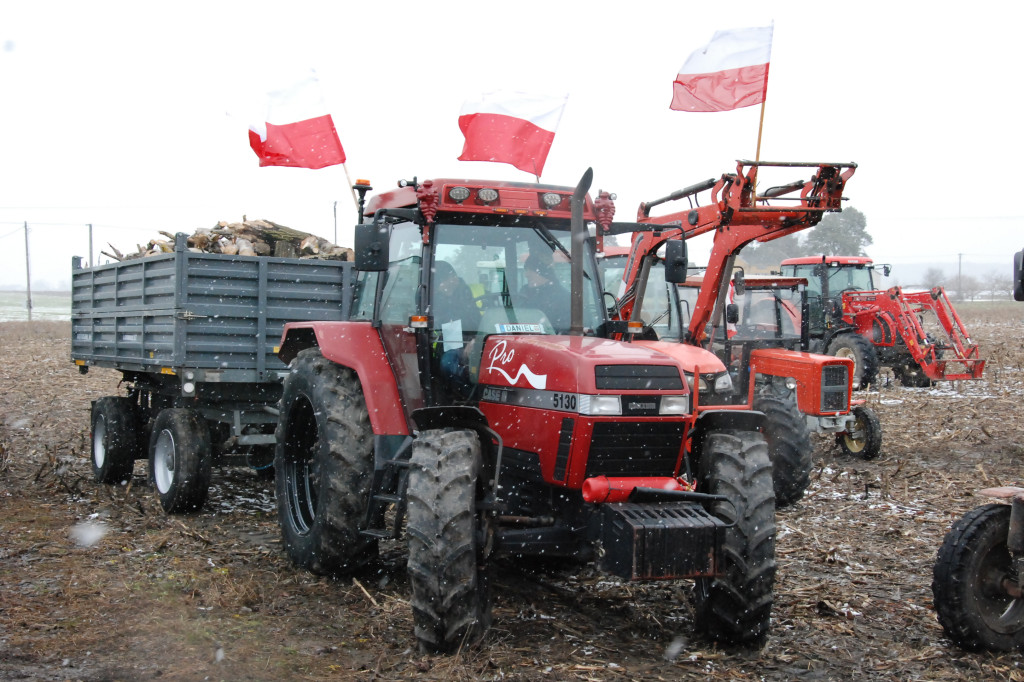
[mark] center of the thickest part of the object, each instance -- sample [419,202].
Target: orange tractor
[918,334]
[753,325]
[978,577]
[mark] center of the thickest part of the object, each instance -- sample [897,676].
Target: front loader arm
[738,216]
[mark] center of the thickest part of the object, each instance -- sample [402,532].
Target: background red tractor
[918,334]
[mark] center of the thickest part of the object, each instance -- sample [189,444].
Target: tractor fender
[738,420]
[355,345]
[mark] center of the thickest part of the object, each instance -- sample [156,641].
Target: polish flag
[511,127]
[297,130]
[728,73]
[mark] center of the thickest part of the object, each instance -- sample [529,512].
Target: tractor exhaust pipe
[579,240]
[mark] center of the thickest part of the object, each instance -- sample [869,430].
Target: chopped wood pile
[247,238]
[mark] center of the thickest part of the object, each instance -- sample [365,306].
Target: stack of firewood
[247,238]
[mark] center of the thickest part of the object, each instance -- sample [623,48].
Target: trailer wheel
[735,607]
[861,351]
[450,596]
[323,466]
[179,459]
[864,438]
[115,443]
[968,591]
[789,447]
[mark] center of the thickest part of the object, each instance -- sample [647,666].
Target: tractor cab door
[397,291]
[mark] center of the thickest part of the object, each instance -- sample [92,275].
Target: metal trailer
[195,338]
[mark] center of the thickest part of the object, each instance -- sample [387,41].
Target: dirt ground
[97,583]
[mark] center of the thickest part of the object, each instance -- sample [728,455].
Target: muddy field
[97,583]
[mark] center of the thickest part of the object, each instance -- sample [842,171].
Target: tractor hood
[591,365]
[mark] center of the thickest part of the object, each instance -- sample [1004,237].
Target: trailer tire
[861,351]
[735,607]
[179,459]
[115,441]
[867,443]
[451,603]
[324,466]
[789,447]
[973,608]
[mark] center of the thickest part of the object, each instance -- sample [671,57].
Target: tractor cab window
[660,308]
[398,299]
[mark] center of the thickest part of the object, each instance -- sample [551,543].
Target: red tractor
[753,326]
[520,421]
[978,578]
[919,335]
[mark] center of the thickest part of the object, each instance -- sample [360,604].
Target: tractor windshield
[503,280]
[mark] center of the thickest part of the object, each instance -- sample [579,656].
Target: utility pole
[335,222]
[91,261]
[960,277]
[28,277]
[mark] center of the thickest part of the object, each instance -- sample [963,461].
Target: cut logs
[246,238]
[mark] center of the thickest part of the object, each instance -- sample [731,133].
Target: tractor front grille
[635,448]
[835,381]
[638,378]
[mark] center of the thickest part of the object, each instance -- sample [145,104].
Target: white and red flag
[511,127]
[297,131]
[728,73]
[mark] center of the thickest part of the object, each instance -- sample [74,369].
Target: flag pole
[760,129]
[351,188]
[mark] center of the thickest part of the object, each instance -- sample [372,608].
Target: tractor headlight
[723,383]
[674,404]
[600,405]
[458,194]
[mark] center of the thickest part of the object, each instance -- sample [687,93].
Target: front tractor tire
[735,607]
[789,447]
[179,460]
[450,596]
[115,440]
[864,436]
[323,466]
[968,583]
[861,351]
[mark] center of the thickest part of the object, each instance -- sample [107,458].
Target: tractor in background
[764,355]
[918,334]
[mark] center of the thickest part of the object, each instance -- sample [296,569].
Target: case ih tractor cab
[514,423]
[753,326]
[978,578]
[919,335]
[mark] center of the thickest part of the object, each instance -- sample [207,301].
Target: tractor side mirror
[371,246]
[732,313]
[675,261]
[1018,276]
[737,283]
[886,269]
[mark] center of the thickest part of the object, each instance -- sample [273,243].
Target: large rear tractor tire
[179,460]
[323,466]
[735,607]
[451,604]
[972,604]
[861,351]
[864,437]
[789,447]
[115,439]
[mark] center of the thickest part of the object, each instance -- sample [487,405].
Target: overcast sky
[133,116]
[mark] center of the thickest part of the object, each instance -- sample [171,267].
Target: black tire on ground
[861,351]
[913,376]
[179,459]
[451,604]
[864,438]
[324,466]
[735,608]
[115,439]
[789,447]
[973,608]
